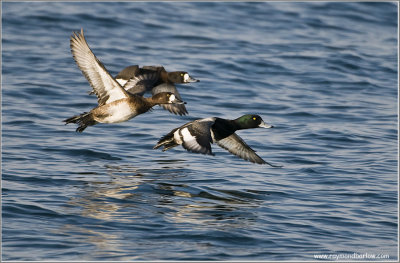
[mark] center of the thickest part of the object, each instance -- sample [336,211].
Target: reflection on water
[206,215]
[102,240]
[132,194]
[98,199]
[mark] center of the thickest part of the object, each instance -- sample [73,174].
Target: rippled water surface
[324,74]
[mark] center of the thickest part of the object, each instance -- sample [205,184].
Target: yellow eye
[254,118]
[181,74]
[168,95]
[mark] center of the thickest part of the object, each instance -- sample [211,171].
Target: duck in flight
[154,79]
[197,136]
[115,104]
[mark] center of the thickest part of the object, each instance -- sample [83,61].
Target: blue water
[324,74]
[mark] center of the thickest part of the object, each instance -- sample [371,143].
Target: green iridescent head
[252,121]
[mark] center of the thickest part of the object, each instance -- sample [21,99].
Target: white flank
[119,113]
[186,135]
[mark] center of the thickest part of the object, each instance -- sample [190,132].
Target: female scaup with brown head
[115,103]
[154,79]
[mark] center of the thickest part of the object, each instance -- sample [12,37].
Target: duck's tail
[167,141]
[83,120]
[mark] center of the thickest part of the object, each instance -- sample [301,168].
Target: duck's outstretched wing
[235,145]
[179,109]
[104,85]
[142,82]
[126,74]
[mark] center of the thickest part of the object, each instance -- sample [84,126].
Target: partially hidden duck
[154,79]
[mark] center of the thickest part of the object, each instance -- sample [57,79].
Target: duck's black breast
[222,128]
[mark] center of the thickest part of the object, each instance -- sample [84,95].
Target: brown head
[180,77]
[166,98]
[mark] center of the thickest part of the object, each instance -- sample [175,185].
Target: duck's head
[249,121]
[166,98]
[181,77]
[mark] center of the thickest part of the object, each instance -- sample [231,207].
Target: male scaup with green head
[115,103]
[196,136]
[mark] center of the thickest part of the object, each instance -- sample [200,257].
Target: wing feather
[128,72]
[235,145]
[106,88]
[141,83]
